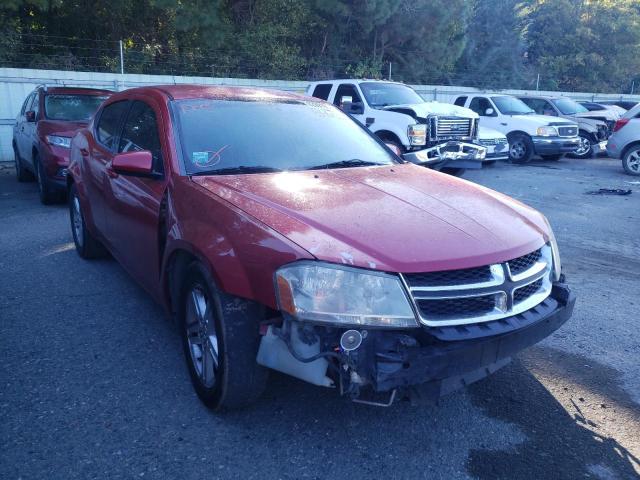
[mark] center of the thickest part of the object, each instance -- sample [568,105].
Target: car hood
[400,218]
[534,120]
[598,114]
[425,109]
[58,127]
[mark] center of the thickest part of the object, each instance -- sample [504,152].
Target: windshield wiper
[354,162]
[239,169]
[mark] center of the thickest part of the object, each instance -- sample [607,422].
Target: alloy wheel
[633,161]
[584,147]
[517,150]
[202,335]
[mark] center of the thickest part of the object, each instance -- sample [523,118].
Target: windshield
[511,106]
[226,137]
[385,94]
[71,107]
[568,106]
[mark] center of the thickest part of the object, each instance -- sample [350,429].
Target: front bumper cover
[452,154]
[555,145]
[458,356]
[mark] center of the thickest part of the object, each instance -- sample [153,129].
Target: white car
[434,134]
[496,144]
[528,134]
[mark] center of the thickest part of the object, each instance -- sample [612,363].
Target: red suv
[42,134]
[283,235]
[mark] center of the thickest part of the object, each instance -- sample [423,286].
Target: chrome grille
[475,295]
[568,131]
[453,127]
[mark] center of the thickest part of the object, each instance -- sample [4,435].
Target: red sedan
[282,235]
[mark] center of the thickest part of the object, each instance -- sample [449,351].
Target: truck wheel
[552,157]
[86,245]
[585,149]
[520,148]
[22,174]
[221,337]
[631,161]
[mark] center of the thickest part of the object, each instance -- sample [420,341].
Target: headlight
[557,265]
[326,293]
[417,134]
[64,142]
[547,132]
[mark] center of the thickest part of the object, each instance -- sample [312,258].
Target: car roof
[76,90]
[185,92]
[356,81]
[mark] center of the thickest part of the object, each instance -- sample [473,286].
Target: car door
[133,204]
[482,106]
[19,128]
[98,156]
[30,130]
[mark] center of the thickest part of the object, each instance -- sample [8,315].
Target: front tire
[631,161]
[585,149]
[86,245]
[45,192]
[520,148]
[220,336]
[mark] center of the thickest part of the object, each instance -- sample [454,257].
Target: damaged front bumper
[377,366]
[451,154]
[447,358]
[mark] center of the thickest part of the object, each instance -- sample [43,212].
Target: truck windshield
[71,107]
[257,136]
[568,106]
[380,94]
[511,106]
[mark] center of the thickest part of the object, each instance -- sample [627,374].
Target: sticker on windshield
[207,159]
[200,159]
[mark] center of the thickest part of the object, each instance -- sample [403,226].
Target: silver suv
[624,143]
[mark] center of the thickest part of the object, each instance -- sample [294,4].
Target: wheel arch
[513,133]
[629,147]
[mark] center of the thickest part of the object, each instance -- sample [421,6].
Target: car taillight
[620,123]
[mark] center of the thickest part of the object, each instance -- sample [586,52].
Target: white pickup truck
[433,134]
[528,134]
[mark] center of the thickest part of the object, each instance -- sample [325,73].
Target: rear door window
[460,101]
[322,91]
[109,123]
[140,133]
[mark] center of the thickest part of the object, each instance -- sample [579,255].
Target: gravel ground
[94,384]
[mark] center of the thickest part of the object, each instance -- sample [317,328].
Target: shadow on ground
[556,442]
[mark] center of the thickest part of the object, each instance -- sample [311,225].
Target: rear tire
[520,148]
[22,175]
[220,336]
[631,161]
[86,245]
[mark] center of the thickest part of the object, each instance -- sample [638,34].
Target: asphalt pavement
[93,383]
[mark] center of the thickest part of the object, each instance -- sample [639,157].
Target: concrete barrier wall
[16,83]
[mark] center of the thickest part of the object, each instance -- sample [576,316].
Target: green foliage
[571,44]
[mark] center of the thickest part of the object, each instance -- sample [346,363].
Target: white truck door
[347,93]
[489,116]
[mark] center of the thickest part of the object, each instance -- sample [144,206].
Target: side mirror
[357,108]
[133,163]
[489,112]
[30,116]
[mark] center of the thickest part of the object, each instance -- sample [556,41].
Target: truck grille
[453,127]
[476,295]
[568,131]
